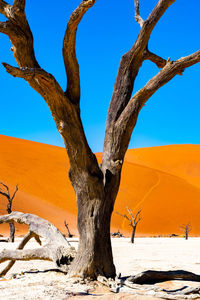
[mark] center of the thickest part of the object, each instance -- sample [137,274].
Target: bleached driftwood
[56,248]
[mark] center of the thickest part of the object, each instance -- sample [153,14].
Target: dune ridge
[162,181]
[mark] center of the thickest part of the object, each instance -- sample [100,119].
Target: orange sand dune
[179,160]
[163,181]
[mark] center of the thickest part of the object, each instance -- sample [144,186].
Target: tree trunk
[94,256]
[133,234]
[12,233]
[96,189]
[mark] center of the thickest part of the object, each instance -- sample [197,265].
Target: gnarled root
[56,249]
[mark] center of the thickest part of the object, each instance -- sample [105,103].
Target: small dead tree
[68,231]
[186,228]
[133,220]
[56,248]
[4,190]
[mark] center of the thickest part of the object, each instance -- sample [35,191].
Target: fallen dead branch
[151,277]
[56,248]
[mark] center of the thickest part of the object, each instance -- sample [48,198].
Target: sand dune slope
[163,181]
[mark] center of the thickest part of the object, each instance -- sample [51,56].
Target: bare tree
[96,186]
[4,190]
[68,231]
[186,229]
[133,221]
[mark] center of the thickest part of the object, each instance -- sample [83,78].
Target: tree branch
[57,248]
[2,192]
[137,214]
[25,240]
[159,61]
[130,212]
[138,18]
[4,8]
[20,35]
[25,73]
[64,112]
[128,69]
[39,226]
[13,196]
[136,222]
[37,78]
[126,217]
[28,254]
[128,118]
[20,4]
[66,116]
[69,51]
[41,81]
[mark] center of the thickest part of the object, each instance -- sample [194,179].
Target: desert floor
[33,280]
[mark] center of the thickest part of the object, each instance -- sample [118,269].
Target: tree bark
[133,234]
[94,255]
[12,233]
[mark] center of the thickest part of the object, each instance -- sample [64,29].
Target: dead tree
[133,221]
[56,248]
[68,231]
[186,229]
[96,186]
[6,193]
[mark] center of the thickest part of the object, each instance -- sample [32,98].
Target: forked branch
[61,104]
[133,220]
[128,118]
[129,67]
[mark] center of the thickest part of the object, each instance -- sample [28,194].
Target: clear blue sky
[106,32]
